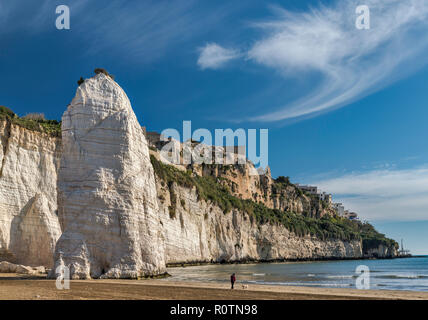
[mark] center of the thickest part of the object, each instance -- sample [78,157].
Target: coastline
[249,261]
[18,287]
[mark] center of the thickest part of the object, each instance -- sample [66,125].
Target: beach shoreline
[18,287]
[319,259]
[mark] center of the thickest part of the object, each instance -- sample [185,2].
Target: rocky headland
[94,195]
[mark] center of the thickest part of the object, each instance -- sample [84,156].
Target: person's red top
[232,278]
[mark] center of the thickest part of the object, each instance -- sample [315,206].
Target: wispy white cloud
[213,56]
[323,43]
[383,194]
[149,30]
[143,31]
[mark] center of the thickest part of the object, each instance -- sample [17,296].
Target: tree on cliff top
[282,179]
[102,70]
[6,111]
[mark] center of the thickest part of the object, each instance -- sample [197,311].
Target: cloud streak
[383,194]
[324,44]
[213,56]
[143,31]
[149,30]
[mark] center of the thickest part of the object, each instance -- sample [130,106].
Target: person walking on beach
[232,280]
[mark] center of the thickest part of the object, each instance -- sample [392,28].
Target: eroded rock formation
[29,226]
[7,267]
[107,199]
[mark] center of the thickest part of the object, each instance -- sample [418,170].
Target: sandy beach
[18,287]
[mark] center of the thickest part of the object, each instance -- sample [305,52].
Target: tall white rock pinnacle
[107,199]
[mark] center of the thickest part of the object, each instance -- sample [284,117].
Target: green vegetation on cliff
[372,239]
[34,122]
[327,227]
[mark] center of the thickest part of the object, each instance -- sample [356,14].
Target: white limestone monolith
[107,199]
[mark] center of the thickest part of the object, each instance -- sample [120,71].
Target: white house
[339,207]
[327,197]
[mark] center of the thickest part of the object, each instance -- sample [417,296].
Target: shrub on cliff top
[282,179]
[102,70]
[34,116]
[32,121]
[373,239]
[6,112]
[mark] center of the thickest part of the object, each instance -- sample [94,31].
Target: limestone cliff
[29,226]
[380,251]
[120,220]
[243,183]
[200,231]
[262,188]
[107,199]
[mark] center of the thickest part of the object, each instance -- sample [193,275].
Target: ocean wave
[402,276]
[317,284]
[341,277]
[259,274]
[300,284]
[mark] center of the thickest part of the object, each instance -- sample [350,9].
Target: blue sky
[346,109]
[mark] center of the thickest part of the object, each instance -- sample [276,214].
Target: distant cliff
[242,183]
[29,226]
[203,213]
[205,222]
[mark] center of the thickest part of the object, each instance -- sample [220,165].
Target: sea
[392,274]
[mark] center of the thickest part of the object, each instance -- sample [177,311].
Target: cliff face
[120,220]
[264,189]
[201,232]
[107,198]
[243,181]
[29,226]
[381,251]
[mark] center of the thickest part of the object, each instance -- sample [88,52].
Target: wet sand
[18,287]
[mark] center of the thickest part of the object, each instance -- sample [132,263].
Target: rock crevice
[5,143]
